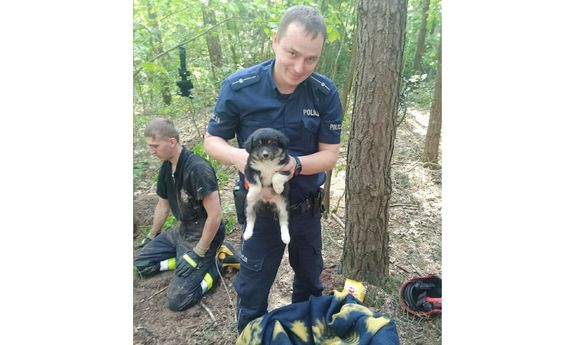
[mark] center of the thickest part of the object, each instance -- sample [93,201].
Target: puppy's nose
[266,154]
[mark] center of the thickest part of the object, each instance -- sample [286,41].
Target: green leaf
[169,222]
[153,67]
[332,33]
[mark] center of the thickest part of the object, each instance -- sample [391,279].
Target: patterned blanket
[333,319]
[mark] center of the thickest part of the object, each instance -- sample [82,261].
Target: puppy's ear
[249,143]
[283,140]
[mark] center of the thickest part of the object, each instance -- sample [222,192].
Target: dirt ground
[415,225]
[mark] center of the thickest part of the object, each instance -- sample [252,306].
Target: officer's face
[161,147]
[297,55]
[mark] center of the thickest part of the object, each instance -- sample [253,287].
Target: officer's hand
[290,167]
[189,262]
[241,159]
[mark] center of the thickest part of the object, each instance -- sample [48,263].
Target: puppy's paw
[249,231]
[278,182]
[285,236]
[278,188]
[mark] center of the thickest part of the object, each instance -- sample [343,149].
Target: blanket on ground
[332,319]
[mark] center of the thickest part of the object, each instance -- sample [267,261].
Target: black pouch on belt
[317,202]
[240,194]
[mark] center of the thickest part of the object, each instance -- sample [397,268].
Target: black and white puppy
[268,153]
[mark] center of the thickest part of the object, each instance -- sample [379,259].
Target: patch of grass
[229,212]
[379,296]
[169,223]
[339,168]
[138,168]
[230,224]
[198,149]
[402,180]
[221,172]
[223,178]
[143,231]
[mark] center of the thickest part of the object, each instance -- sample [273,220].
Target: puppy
[268,153]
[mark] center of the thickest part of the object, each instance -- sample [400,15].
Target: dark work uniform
[193,179]
[248,100]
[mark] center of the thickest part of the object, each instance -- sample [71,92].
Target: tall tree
[381,30]
[158,47]
[421,38]
[212,39]
[230,28]
[431,151]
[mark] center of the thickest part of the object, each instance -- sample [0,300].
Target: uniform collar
[269,73]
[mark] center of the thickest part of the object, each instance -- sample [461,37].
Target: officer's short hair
[160,128]
[312,21]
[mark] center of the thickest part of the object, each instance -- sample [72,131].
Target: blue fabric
[183,292]
[261,256]
[334,319]
[312,114]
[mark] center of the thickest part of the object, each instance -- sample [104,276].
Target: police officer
[286,94]
[187,186]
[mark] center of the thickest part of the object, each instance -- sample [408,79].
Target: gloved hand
[147,240]
[192,260]
[227,256]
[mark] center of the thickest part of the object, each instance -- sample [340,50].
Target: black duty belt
[310,204]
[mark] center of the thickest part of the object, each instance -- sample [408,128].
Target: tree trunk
[421,38]
[232,43]
[381,30]
[212,39]
[431,151]
[158,48]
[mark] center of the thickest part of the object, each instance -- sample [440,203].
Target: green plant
[138,168]
[169,222]
[339,168]
[402,180]
[229,225]
[378,296]
[198,150]
[223,178]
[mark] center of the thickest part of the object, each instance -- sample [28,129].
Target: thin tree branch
[404,205]
[181,44]
[208,310]
[157,292]
[413,166]
[337,203]
[232,305]
[337,220]
[142,26]
[334,241]
[172,13]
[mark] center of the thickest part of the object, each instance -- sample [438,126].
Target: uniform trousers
[261,256]
[183,292]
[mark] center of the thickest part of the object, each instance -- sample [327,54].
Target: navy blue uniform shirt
[312,114]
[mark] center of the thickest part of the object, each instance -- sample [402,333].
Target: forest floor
[415,240]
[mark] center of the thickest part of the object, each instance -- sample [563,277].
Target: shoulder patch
[245,80]
[320,83]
